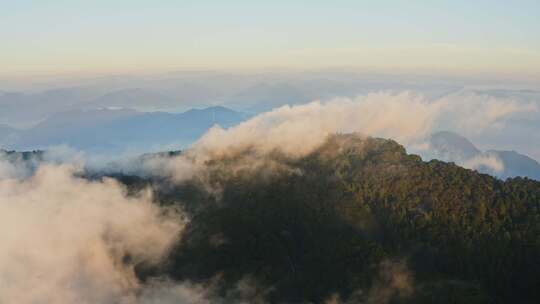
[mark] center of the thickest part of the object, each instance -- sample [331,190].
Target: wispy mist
[69,240]
[296,131]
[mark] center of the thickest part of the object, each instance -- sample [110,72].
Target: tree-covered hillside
[358,220]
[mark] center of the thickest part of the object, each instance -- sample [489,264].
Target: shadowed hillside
[358,220]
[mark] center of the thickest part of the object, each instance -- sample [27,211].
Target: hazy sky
[70,36]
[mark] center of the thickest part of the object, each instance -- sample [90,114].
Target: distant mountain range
[26,109]
[113,130]
[265,97]
[136,98]
[449,146]
[23,106]
[516,164]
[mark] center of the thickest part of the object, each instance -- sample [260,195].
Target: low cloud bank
[489,162]
[296,131]
[68,240]
[405,117]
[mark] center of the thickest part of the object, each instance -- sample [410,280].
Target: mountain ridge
[330,223]
[115,130]
[450,146]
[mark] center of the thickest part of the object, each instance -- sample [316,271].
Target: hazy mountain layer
[449,146]
[120,130]
[516,164]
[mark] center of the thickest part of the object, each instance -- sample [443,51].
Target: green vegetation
[362,220]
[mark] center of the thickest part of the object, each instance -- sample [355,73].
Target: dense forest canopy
[357,220]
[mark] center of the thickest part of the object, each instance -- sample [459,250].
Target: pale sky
[69,36]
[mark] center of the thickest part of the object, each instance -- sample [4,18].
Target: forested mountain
[358,220]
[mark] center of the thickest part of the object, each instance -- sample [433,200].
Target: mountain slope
[359,220]
[516,164]
[453,145]
[449,146]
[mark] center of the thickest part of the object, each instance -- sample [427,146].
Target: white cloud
[65,239]
[491,162]
[297,130]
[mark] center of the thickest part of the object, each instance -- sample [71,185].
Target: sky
[51,37]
